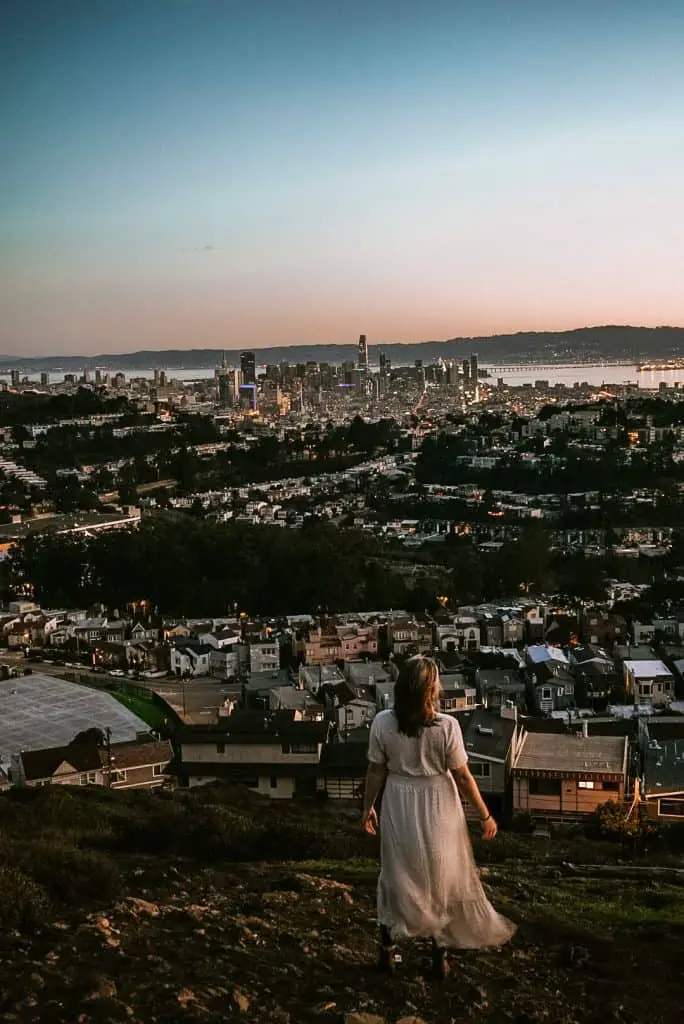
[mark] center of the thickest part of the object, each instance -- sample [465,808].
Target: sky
[247,173]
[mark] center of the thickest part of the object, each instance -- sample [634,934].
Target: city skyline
[215,174]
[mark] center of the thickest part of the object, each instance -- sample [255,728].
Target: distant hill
[586,344]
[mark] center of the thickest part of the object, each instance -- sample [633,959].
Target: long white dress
[429,885]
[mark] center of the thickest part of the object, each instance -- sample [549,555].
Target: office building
[363,353]
[466,369]
[473,368]
[248,396]
[44,379]
[15,378]
[248,367]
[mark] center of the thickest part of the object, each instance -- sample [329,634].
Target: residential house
[595,672]
[264,656]
[512,630]
[491,742]
[191,659]
[662,749]
[225,662]
[355,640]
[462,633]
[367,673]
[291,698]
[271,754]
[342,771]
[454,699]
[355,713]
[600,628]
[142,633]
[134,765]
[642,632]
[313,677]
[500,687]
[256,689]
[649,682]
[568,775]
[553,688]
[318,647]
[406,636]
[177,632]
[491,630]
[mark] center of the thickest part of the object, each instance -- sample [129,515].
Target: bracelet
[487,818]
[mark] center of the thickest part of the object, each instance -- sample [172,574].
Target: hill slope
[149,908]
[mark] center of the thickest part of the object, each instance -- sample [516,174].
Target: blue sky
[227,173]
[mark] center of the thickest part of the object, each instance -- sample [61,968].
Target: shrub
[69,875]
[610,821]
[24,903]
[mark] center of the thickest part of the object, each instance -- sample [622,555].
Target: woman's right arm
[469,789]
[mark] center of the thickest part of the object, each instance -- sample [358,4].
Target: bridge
[548,367]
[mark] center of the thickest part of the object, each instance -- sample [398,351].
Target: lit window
[585,784]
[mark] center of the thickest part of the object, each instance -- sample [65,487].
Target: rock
[140,906]
[104,989]
[185,996]
[360,1017]
[241,1001]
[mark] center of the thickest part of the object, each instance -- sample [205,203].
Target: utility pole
[108,746]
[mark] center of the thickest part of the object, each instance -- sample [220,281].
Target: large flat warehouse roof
[38,711]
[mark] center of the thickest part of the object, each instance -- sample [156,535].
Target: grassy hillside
[216,906]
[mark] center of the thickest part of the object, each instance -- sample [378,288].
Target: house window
[303,748]
[546,693]
[560,691]
[274,782]
[158,769]
[545,787]
[612,787]
[118,775]
[568,689]
[671,808]
[645,689]
[480,769]
[586,784]
[220,748]
[92,778]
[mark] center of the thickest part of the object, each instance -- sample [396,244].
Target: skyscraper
[466,369]
[473,367]
[363,353]
[248,367]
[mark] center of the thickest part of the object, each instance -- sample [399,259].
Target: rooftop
[547,752]
[653,669]
[39,711]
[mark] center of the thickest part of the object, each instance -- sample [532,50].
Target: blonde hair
[416,693]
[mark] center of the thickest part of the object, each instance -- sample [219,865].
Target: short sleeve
[376,747]
[456,755]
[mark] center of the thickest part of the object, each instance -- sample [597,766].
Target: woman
[428,884]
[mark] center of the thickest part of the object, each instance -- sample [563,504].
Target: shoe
[440,964]
[387,959]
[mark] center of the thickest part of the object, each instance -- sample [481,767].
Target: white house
[650,682]
[355,713]
[264,656]
[191,660]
